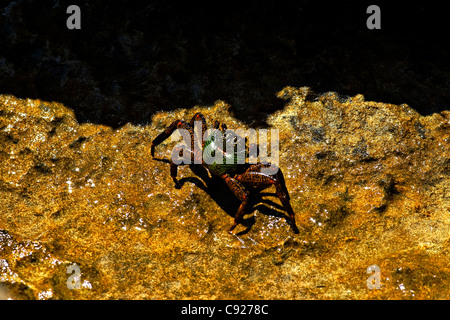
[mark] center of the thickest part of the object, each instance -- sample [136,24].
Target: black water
[131,59]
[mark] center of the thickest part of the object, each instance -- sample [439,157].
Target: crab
[240,177]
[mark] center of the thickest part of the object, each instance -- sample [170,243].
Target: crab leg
[199,117]
[259,179]
[242,193]
[174,168]
[164,135]
[177,124]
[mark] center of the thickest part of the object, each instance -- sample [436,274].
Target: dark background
[131,59]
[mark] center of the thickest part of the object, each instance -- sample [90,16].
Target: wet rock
[368,181]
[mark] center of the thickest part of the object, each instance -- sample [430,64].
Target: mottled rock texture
[369,182]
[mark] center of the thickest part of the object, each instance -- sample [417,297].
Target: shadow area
[218,190]
[130,60]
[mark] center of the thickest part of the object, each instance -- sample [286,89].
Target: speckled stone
[369,183]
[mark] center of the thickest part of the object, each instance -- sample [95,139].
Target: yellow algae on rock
[368,183]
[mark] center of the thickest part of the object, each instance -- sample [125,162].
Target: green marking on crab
[220,161]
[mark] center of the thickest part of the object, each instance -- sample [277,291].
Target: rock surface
[369,182]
